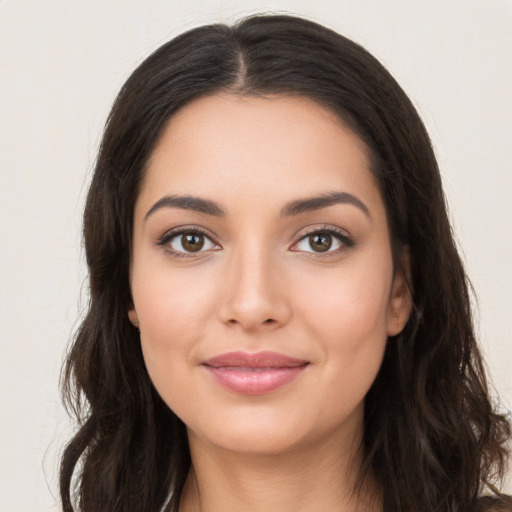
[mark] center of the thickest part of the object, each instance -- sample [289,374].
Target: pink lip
[254,374]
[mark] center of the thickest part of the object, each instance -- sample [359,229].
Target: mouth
[254,374]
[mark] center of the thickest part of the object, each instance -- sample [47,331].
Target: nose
[254,293]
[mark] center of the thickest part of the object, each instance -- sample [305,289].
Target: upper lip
[264,359]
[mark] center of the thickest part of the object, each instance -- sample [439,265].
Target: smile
[254,374]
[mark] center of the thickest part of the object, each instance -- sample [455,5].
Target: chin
[252,441]
[270,432]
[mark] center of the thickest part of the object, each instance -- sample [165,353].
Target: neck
[313,478]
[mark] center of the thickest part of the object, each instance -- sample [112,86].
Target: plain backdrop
[61,64]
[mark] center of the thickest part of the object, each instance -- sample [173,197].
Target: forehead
[260,149]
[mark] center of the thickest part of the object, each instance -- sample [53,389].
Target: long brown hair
[432,437]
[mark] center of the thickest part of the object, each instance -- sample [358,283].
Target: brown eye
[324,241]
[190,242]
[320,242]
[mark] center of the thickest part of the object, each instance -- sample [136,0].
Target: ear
[400,301]
[132,315]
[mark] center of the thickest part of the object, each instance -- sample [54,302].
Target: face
[262,275]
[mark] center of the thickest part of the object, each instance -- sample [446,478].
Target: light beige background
[62,62]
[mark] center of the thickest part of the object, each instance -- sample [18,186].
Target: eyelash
[345,240]
[168,236]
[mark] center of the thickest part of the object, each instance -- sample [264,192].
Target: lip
[254,373]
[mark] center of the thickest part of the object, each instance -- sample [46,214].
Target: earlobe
[132,315]
[400,302]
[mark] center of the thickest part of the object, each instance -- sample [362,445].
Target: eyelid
[164,239]
[342,235]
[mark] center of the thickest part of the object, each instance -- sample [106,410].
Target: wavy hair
[432,437]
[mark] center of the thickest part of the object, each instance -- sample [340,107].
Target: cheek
[172,309]
[168,301]
[349,305]
[347,317]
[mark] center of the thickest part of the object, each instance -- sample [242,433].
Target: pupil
[320,242]
[192,242]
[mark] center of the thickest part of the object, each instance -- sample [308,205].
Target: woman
[279,319]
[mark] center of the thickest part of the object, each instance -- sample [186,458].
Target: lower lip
[254,381]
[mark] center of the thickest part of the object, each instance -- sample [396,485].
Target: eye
[323,241]
[186,242]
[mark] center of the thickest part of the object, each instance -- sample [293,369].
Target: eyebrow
[193,203]
[297,207]
[323,201]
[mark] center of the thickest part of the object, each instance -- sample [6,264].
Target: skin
[257,284]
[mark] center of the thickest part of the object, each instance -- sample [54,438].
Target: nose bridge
[253,296]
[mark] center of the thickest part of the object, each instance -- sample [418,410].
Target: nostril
[269,321]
